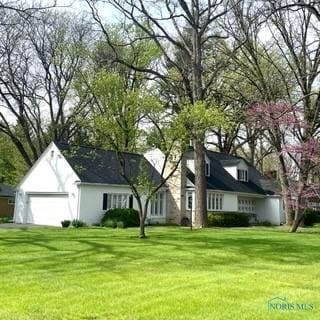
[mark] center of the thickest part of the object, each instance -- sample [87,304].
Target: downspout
[78,183]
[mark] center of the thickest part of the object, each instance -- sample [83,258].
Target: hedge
[311,217]
[228,219]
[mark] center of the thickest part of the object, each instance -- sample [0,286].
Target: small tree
[125,120]
[305,157]
[282,126]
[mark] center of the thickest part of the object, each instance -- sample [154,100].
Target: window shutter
[131,201]
[105,201]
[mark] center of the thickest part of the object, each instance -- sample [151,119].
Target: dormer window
[243,175]
[207,169]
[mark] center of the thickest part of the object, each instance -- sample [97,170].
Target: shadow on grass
[97,249]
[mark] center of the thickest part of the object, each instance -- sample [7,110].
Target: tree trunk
[142,217]
[299,214]
[142,227]
[197,95]
[200,186]
[298,217]
[285,191]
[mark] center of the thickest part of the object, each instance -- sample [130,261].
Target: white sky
[106,11]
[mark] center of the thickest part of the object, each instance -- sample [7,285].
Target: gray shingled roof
[94,165]
[220,179]
[6,191]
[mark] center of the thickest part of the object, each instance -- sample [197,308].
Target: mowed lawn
[97,273]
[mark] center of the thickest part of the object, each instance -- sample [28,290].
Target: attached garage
[48,208]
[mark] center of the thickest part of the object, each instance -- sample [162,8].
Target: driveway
[20,226]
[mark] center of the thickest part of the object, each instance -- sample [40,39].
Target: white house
[76,182]
[82,183]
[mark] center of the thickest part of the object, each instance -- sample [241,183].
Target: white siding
[270,209]
[50,174]
[190,163]
[156,158]
[232,171]
[91,203]
[230,202]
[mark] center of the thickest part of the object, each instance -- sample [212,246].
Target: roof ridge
[225,153]
[93,148]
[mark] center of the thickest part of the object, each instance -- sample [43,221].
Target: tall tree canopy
[176,26]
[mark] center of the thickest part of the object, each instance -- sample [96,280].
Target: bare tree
[264,76]
[40,59]
[23,9]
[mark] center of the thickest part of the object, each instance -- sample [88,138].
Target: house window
[189,200]
[157,205]
[242,175]
[214,201]
[11,202]
[207,169]
[246,205]
[115,200]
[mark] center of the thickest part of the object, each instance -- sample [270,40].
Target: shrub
[65,223]
[78,223]
[6,220]
[120,224]
[310,217]
[129,217]
[185,222]
[109,223]
[266,223]
[228,219]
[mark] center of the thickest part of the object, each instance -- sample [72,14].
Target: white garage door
[48,209]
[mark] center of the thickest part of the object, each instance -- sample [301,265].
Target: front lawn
[211,274]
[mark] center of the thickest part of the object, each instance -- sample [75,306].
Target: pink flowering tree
[286,130]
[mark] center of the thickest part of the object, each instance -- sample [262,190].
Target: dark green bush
[310,217]
[78,223]
[228,219]
[129,217]
[65,223]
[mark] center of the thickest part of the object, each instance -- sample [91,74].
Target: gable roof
[94,165]
[6,191]
[220,179]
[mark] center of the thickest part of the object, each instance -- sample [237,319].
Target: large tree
[165,22]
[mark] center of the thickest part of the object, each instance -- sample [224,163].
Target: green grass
[100,273]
